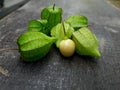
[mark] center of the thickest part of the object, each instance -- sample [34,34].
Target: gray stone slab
[54,72]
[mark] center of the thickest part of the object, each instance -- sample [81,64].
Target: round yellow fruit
[67,47]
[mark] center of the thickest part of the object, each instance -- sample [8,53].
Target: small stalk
[9,49]
[54,6]
[63,27]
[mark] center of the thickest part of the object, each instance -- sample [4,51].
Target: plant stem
[8,49]
[63,27]
[54,6]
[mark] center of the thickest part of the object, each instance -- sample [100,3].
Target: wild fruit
[67,47]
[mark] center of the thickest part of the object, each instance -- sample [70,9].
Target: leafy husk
[77,21]
[38,25]
[53,15]
[86,42]
[61,32]
[34,45]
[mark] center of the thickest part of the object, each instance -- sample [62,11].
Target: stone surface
[54,72]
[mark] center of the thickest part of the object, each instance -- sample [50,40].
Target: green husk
[77,21]
[38,25]
[34,45]
[59,32]
[86,42]
[53,15]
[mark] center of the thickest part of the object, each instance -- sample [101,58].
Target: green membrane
[38,25]
[86,42]
[59,32]
[34,45]
[53,15]
[77,21]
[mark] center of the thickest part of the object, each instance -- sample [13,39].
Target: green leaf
[38,25]
[86,42]
[34,45]
[45,13]
[77,21]
[58,32]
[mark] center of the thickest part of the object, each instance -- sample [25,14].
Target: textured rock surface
[55,72]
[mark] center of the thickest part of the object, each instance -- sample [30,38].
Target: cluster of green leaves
[42,33]
[76,28]
[35,43]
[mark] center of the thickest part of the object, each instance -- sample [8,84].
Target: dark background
[54,72]
[8,6]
